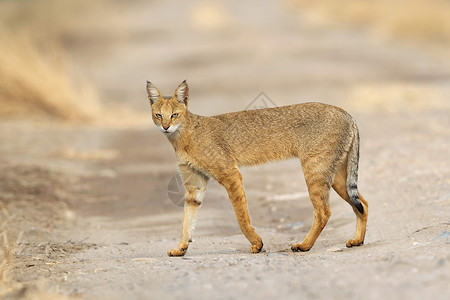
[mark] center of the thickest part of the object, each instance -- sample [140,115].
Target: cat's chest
[185,158]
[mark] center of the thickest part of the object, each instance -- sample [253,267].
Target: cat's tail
[352,171]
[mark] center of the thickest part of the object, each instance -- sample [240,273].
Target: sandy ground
[93,201]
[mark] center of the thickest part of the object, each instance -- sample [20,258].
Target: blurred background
[82,167]
[77,59]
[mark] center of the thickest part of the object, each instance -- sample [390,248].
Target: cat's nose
[166,127]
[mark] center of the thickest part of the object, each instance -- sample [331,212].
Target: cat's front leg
[195,185]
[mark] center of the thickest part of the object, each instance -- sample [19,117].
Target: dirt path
[119,223]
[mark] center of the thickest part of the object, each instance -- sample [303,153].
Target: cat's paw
[300,247]
[177,252]
[257,247]
[354,243]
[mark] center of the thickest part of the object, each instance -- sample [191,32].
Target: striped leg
[195,185]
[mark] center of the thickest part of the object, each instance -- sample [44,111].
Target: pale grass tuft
[37,79]
[35,84]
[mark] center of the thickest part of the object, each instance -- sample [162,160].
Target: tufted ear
[154,95]
[182,93]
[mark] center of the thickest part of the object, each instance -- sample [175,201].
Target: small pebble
[334,249]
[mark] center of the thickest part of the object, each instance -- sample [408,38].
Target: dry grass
[37,84]
[7,248]
[10,286]
[422,20]
[37,80]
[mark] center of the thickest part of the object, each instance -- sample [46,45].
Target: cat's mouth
[170,129]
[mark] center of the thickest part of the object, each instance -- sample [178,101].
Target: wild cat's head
[168,113]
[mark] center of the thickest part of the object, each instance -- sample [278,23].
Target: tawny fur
[325,138]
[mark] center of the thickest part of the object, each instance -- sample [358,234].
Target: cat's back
[280,119]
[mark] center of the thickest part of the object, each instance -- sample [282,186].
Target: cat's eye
[174,115]
[159,116]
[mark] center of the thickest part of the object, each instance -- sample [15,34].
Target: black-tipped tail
[359,207]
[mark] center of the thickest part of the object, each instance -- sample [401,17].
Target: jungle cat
[325,138]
